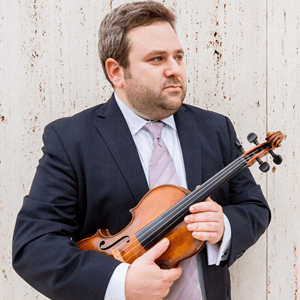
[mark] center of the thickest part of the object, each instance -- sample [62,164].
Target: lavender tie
[162,171]
[161,166]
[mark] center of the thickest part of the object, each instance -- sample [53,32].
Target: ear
[114,72]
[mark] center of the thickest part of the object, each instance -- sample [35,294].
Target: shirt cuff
[116,286]
[219,252]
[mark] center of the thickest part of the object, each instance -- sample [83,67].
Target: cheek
[151,84]
[183,76]
[150,73]
[149,78]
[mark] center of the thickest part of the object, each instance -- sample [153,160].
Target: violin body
[126,247]
[162,210]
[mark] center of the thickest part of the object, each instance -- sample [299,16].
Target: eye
[157,58]
[179,57]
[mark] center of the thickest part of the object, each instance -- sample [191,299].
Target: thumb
[157,250]
[208,199]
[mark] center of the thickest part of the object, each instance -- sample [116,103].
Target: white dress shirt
[144,143]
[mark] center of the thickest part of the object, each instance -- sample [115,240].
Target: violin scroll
[274,140]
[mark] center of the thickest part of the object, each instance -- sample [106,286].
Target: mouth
[173,87]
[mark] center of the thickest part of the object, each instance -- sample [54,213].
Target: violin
[161,211]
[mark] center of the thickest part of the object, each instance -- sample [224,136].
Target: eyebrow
[163,52]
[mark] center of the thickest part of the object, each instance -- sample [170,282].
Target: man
[95,169]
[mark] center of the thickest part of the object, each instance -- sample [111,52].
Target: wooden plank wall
[242,60]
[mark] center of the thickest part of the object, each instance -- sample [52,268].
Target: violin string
[236,163]
[245,158]
[179,214]
[179,204]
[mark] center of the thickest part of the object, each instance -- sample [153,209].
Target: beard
[152,103]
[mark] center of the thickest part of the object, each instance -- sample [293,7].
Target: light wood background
[242,60]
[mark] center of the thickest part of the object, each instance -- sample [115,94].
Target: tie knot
[154,129]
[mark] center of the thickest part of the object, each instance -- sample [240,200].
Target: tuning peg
[277,159]
[264,166]
[239,146]
[252,138]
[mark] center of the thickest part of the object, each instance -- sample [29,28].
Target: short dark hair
[113,33]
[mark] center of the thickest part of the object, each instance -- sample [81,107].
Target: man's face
[155,82]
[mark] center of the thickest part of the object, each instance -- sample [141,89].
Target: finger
[157,250]
[210,237]
[207,205]
[204,217]
[208,199]
[204,226]
[174,273]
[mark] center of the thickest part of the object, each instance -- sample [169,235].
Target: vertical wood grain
[284,183]
[242,60]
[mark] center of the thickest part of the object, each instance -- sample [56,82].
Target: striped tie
[187,286]
[162,171]
[161,166]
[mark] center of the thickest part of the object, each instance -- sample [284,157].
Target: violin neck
[215,182]
[159,227]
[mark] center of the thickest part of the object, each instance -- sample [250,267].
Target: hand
[145,280]
[206,221]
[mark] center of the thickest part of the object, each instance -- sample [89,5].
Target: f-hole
[103,247]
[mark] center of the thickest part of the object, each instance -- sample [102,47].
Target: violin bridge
[117,255]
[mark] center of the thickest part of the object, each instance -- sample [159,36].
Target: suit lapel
[115,132]
[189,136]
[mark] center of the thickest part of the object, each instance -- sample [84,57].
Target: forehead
[158,36]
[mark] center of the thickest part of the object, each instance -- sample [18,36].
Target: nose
[174,68]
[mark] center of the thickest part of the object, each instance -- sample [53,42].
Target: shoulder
[71,133]
[206,118]
[201,112]
[85,118]
[214,128]
[79,120]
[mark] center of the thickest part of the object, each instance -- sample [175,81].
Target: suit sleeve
[44,253]
[248,212]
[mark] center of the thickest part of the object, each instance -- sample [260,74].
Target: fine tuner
[274,138]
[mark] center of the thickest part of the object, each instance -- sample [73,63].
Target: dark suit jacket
[90,176]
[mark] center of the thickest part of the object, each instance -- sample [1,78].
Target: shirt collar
[136,123]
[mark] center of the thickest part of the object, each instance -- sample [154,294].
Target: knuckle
[211,215]
[211,236]
[191,218]
[207,216]
[167,277]
[198,235]
[195,227]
